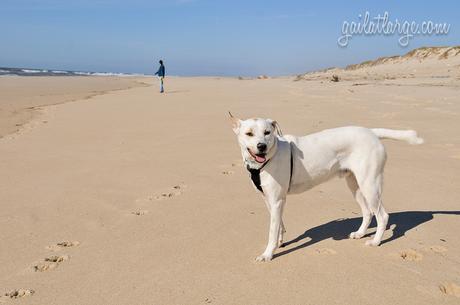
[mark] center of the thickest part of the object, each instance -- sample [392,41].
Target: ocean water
[45,72]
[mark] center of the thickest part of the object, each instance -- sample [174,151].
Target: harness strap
[255,173]
[292,168]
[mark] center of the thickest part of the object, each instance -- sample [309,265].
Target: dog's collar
[255,172]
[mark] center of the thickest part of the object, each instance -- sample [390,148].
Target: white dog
[282,165]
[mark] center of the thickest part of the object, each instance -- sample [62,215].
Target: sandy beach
[23,97]
[129,196]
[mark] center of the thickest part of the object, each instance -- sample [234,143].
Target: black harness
[255,173]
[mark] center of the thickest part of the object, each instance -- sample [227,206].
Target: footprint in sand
[51,262]
[140,212]
[229,172]
[63,244]
[173,192]
[450,289]
[16,294]
[437,249]
[325,251]
[411,255]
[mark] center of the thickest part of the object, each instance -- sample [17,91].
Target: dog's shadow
[340,228]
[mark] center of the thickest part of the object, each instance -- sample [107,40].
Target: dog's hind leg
[372,191]
[367,215]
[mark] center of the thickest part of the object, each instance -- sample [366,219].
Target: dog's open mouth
[260,158]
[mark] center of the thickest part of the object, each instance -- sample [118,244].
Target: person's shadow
[340,228]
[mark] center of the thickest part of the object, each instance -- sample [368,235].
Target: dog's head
[257,139]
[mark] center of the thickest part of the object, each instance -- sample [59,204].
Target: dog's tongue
[260,159]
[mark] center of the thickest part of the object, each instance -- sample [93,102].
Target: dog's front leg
[282,231]
[282,227]
[275,209]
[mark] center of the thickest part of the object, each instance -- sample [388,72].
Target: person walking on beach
[161,75]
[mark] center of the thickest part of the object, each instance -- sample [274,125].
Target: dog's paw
[372,243]
[264,258]
[355,235]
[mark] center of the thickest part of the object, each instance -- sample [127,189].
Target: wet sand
[22,97]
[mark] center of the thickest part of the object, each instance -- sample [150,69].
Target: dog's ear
[236,123]
[276,127]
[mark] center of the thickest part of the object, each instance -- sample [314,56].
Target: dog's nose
[261,147]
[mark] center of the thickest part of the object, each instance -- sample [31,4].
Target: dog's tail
[409,136]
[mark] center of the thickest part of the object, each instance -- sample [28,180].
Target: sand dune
[133,197]
[432,65]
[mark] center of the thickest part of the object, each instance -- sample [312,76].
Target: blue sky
[204,37]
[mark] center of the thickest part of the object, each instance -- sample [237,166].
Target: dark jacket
[161,71]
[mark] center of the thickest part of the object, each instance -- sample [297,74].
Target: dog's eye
[249,134]
[267,132]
